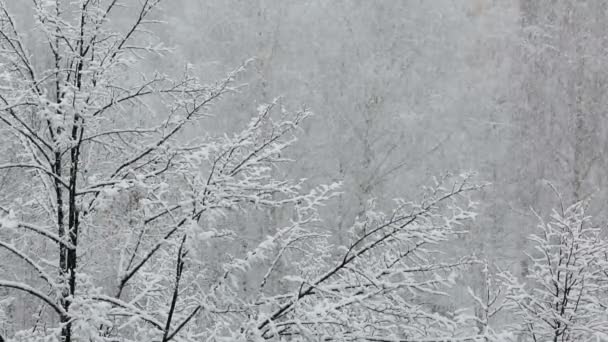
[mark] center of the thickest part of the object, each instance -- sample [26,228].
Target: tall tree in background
[561,69]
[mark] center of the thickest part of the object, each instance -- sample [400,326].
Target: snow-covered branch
[31,291]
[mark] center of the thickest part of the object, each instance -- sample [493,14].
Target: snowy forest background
[447,183]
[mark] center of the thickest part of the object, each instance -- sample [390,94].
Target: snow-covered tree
[489,305]
[119,197]
[565,294]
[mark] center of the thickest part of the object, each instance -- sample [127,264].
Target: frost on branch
[378,285]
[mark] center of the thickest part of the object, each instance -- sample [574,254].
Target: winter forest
[312,170]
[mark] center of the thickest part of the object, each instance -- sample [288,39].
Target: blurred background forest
[405,90]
